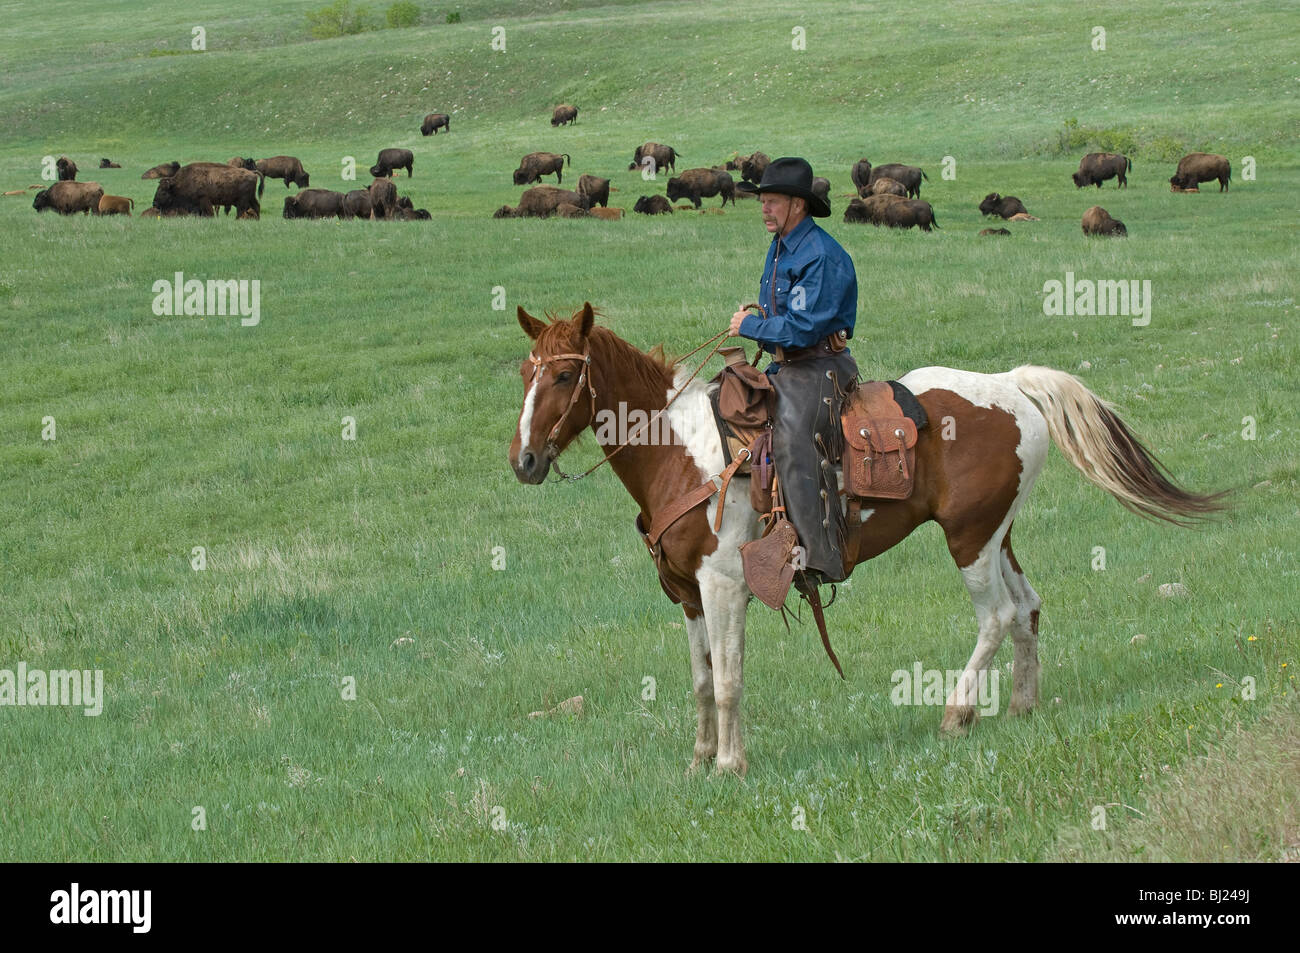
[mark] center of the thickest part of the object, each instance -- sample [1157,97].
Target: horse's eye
[564,377]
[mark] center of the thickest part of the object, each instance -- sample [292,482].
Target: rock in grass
[1172,590]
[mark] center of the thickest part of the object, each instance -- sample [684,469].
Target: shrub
[338,19]
[453,17]
[404,13]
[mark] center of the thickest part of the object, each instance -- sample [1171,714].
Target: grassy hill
[224,685]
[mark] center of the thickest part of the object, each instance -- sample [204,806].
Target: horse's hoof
[736,766]
[698,762]
[957,719]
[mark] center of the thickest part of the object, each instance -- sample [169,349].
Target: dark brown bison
[909,175]
[596,188]
[537,164]
[996,231]
[695,184]
[108,164]
[115,205]
[665,157]
[568,210]
[752,166]
[433,122]
[162,171]
[391,160]
[542,201]
[821,187]
[239,162]
[871,209]
[356,204]
[68,198]
[412,214]
[1097,221]
[250,214]
[1201,167]
[1096,167]
[893,211]
[200,187]
[383,198]
[564,114]
[608,214]
[67,169]
[653,205]
[1008,207]
[284,167]
[884,186]
[314,203]
[861,176]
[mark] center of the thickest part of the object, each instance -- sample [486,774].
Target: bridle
[552,450]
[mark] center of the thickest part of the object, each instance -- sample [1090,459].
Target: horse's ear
[586,319]
[532,326]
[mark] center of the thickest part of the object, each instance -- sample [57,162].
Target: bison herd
[886,195]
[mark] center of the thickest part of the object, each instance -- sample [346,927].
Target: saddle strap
[679,507]
[815,601]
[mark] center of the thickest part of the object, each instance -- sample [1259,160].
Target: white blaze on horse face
[526,417]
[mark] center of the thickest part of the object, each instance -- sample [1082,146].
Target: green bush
[404,13]
[453,17]
[338,19]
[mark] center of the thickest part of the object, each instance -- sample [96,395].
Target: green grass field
[224,687]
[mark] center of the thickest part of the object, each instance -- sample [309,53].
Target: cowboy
[809,295]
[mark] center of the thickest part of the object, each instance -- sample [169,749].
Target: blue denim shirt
[814,263]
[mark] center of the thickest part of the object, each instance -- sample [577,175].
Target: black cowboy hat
[793,176]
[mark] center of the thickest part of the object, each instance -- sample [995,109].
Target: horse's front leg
[725,597]
[706,726]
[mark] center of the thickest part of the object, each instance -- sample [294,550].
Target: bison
[67,169]
[115,205]
[162,171]
[68,198]
[596,188]
[695,184]
[537,164]
[1201,167]
[198,188]
[908,175]
[752,166]
[608,214]
[1008,207]
[284,167]
[861,175]
[543,201]
[1097,221]
[356,204]
[108,164]
[314,203]
[1096,167]
[996,231]
[564,114]
[653,205]
[392,159]
[239,162]
[569,210]
[665,157]
[884,186]
[412,214]
[893,211]
[383,198]
[870,209]
[433,122]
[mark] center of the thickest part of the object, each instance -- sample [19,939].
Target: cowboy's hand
[735,322]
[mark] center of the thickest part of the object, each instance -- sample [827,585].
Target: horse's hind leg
[1024,632]
[706,725]
[996,612]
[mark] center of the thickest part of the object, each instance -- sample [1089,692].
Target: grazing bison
[752,166]
[198,188]
[543,201]
[239,162]
[695,184]
[356,204]
[67,169]
[1096,167]
[314,203]
[653,205]
[433,122]
[115,205]
[392,159]
[821,187]
[861,176]
[383,198]
[564,114]
[665,157]
[884,186]
[1201,167]
[162,171]
[68,198]
[909,175]
[1008,207]
[1097,221]
[537,164]
[284,167]
[608,214]
[108,164]
[892,210]
[996,231]
[596,188]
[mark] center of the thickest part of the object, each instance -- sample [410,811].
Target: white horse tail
[1091,435]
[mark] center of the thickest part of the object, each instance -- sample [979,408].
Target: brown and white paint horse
[972,485]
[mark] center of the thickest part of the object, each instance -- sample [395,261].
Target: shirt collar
[797,234]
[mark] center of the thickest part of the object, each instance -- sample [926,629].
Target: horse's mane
[652,367]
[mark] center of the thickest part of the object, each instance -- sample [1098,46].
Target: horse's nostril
[526,461]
